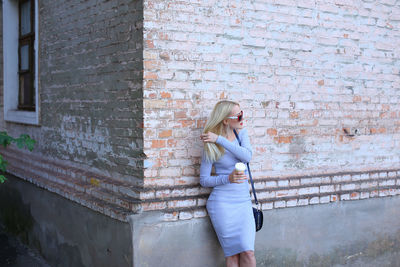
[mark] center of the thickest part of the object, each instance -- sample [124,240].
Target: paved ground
[16,254]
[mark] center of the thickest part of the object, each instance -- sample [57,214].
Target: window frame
[11,33]
[26,39]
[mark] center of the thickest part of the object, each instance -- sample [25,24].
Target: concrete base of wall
[180,243]
[346,233]
[65,233]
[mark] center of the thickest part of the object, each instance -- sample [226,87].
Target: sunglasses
[238,117]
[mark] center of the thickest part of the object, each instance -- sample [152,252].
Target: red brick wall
[318,83]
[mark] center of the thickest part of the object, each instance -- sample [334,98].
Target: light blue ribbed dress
[229,204]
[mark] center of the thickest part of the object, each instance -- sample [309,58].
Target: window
[20,61]
[26,96]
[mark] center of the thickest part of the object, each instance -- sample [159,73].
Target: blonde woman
[229,204]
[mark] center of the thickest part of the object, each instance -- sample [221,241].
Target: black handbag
[257,212]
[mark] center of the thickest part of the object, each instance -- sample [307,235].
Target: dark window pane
[26,17]
[28,89]
[21,90]
[24,57]
[25,91]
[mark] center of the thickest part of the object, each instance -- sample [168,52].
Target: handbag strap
[248,167]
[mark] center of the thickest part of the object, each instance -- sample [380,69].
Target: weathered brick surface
[318,82]
[91,61]
[100,193]
[91,105]
[90,58]
[126,88]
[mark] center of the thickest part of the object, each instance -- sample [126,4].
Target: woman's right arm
[243,152]
[208,180]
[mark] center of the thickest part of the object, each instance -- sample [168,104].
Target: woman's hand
[237,177]
[209,137]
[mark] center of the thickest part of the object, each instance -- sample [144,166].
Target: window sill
[19,116]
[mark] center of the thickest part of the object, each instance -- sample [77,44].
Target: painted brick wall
[318,82]
[90,141]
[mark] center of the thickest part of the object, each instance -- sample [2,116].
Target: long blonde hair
[215,125]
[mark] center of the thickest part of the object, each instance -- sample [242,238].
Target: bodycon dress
[229,204]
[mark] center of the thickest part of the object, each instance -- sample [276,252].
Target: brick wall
[318,83]
[90,70]
[90,141]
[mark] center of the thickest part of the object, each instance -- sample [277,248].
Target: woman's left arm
[243,152]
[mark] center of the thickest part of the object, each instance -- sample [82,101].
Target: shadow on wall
[14,215]
[17,220]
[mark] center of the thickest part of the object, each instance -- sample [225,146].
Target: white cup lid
[240,166]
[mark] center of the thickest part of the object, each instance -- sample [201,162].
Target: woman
[229,204]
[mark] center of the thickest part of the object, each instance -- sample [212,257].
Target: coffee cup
[240,167]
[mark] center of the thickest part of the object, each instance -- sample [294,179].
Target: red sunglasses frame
[238,117]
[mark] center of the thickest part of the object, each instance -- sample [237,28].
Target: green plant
[23,141]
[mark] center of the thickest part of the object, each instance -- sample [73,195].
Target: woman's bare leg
[247,259]
[232,261]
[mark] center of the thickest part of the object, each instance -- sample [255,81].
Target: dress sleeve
[208,180]
[243,152]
